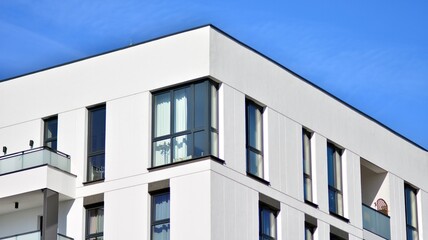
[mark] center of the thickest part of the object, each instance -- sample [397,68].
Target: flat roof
[243,45]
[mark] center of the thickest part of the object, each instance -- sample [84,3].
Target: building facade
[196,136]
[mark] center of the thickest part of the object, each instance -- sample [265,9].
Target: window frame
[46,139]
[89,153]
[249,102]
[409,188]
[153,223]
[88,208]
[275,212]
[334,188]
[209,129]
[311,228]
[307,134]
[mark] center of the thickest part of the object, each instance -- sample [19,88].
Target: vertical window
[95,223]
[96,143]
[267,222]
[335,179]
[307,165]
[309,231]
[160,216]
[254,125]
[185,123]
[335,237]
[51,132]
[411,213]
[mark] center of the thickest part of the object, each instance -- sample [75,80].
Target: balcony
[376,222]
[33,158]
[33,236]
[35,169]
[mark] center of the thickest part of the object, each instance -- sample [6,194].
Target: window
[335,194]
[307,165]
[254,125]
[160,216]
[309,231]
[335,237]
[267,222]
[95,223]
[51,132]
[411,209]
[185,123]
[96,143]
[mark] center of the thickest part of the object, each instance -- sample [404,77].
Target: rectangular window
[335,193]
[95,223]
[307,165]
[309,231]
[267,222]
[254,129]
[96,143]
[50,132]
[185,123]
[160,216]
[411,213]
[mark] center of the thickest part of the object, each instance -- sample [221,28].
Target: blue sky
[371,54]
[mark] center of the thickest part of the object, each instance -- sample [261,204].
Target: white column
[293,176]
[320,172]
[422,199]
[397,207]
[323,231]
[352,188]
[292,223]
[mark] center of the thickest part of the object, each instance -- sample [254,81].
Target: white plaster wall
[152,65]
[352,188]
[323,231]
[232,128]
[20,221]
[127,136]
[397,208]
[234,209]
[282,91]
[293,223]
[190,206]
[126,213]
[319,170]
[63,212]
[17,136]
[292,175]
[423,214]
[75,222]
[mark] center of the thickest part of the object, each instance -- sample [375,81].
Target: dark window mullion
[171,123]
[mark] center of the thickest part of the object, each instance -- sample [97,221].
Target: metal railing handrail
[37,149]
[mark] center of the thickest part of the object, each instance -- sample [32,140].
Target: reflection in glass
[181,109]
[161,152]
[182,148]
[96,167]
[255,164]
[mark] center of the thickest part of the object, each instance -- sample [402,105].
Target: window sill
[93,182]
[311,204]
[198,159]
[258,179]
[339,216]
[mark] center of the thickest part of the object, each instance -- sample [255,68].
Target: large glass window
[307,165]
[185,123]
[335,193]
[411,213]
[160,216]
[254,125]
[95,223]
[96,143]
[51,132]
[267,222]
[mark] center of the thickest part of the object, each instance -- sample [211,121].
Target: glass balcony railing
[376,222]
[33,158]
[36,235]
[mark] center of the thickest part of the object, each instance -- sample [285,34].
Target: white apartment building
[197,136]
